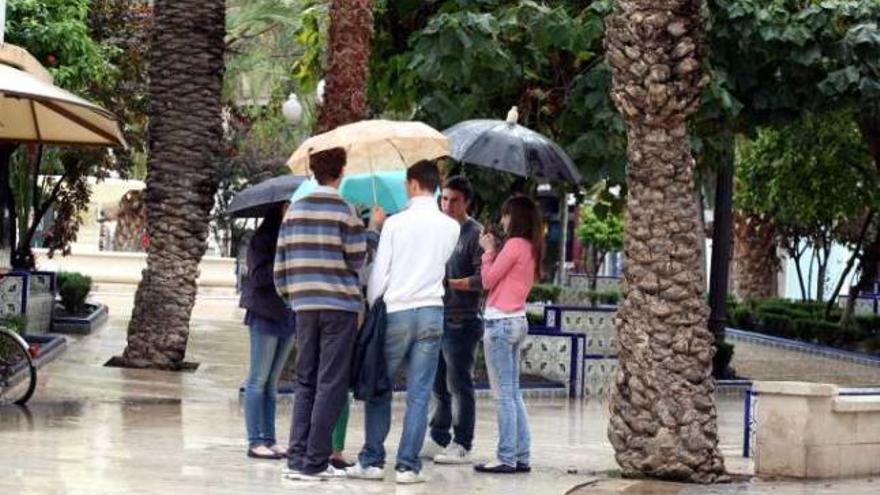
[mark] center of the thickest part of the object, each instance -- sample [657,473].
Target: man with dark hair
[321,248]
[426,173]
[455,406]
[408,273]
[327,165]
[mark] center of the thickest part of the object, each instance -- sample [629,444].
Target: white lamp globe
[319,93]
[292,109]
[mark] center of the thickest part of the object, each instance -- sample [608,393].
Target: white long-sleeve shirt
[410,263]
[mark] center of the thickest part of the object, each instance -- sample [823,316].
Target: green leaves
[810,178]
[601,228]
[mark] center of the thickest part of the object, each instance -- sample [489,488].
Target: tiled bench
[598,359]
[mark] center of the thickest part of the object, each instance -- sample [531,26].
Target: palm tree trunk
[186,80]
[663,414]
[348,56]
[755,263]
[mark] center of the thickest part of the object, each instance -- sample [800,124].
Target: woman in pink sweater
[508,276]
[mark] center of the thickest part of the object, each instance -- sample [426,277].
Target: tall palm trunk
[755,263]
[663,415]
[186,80]
[348,56]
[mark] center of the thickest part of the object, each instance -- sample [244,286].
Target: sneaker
[409,477]
[523,467]
[454,454]
[431,449]
[332,473]
[365,473]
[293,474]
[340,464]
[496,468]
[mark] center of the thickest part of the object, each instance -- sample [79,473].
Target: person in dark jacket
[272,328]
[452,424]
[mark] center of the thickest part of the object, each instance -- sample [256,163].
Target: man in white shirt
[408,273]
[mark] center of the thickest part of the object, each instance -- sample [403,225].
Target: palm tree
[663,415]
[755,264]
[348,55]
[185,89]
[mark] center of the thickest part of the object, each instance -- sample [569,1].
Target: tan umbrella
[32,110]
[375,145]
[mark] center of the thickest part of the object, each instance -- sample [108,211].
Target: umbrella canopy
[359,190]
[256,201]
[374,145]
[510,147]
[33,110]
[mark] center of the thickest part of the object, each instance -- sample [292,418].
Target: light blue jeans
[502,342]
[269,353]
[412,338]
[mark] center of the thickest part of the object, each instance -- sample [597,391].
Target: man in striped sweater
[321,248]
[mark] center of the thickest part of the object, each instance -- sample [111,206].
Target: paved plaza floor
[94,430]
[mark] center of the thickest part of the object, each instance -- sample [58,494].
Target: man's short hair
[327,165]
[426,173]
[461,184]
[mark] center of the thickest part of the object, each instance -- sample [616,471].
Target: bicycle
[18,374]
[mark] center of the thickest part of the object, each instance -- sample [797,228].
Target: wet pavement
[91,429]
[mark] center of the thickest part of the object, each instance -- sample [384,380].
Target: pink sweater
[509,277]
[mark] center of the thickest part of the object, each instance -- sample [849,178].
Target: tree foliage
[811,179]
[91,49]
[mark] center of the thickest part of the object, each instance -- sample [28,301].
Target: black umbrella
[510,147]
[256,201]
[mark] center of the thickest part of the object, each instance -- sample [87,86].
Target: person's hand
[377,218]
[459,284]
[488,242]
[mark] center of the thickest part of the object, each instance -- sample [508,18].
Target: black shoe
[522,467]
[494,469]
[340,464]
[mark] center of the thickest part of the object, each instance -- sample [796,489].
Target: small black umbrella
[510,147]
[255,201]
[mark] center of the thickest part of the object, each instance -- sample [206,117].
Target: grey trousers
[325,342]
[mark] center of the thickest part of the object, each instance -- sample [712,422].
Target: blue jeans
[269,353]
[455,407]
[412,338]
[502,343]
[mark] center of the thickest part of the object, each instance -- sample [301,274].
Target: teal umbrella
[364,190]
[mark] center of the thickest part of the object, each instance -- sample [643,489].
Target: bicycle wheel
[18,375]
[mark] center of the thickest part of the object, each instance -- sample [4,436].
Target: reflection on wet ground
[91,429]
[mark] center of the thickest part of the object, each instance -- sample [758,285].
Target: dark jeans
[454,384]
[325,343]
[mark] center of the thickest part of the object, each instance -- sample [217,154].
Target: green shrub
[812,330]
[74,288]
[17,324]
[535,319]
[870,324]
[776,324]
[741,318]
[545,293]
[721,360]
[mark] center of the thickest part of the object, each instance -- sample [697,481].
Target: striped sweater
[321,249]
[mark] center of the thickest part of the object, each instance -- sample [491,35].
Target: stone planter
[81,325]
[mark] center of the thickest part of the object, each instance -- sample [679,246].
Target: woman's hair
[525,222]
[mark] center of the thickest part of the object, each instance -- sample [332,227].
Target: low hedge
[805,321]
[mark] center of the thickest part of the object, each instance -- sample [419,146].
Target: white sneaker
[409,477]
[332,473]
[454,454]
[365,473]
[430,449]
[292,474]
